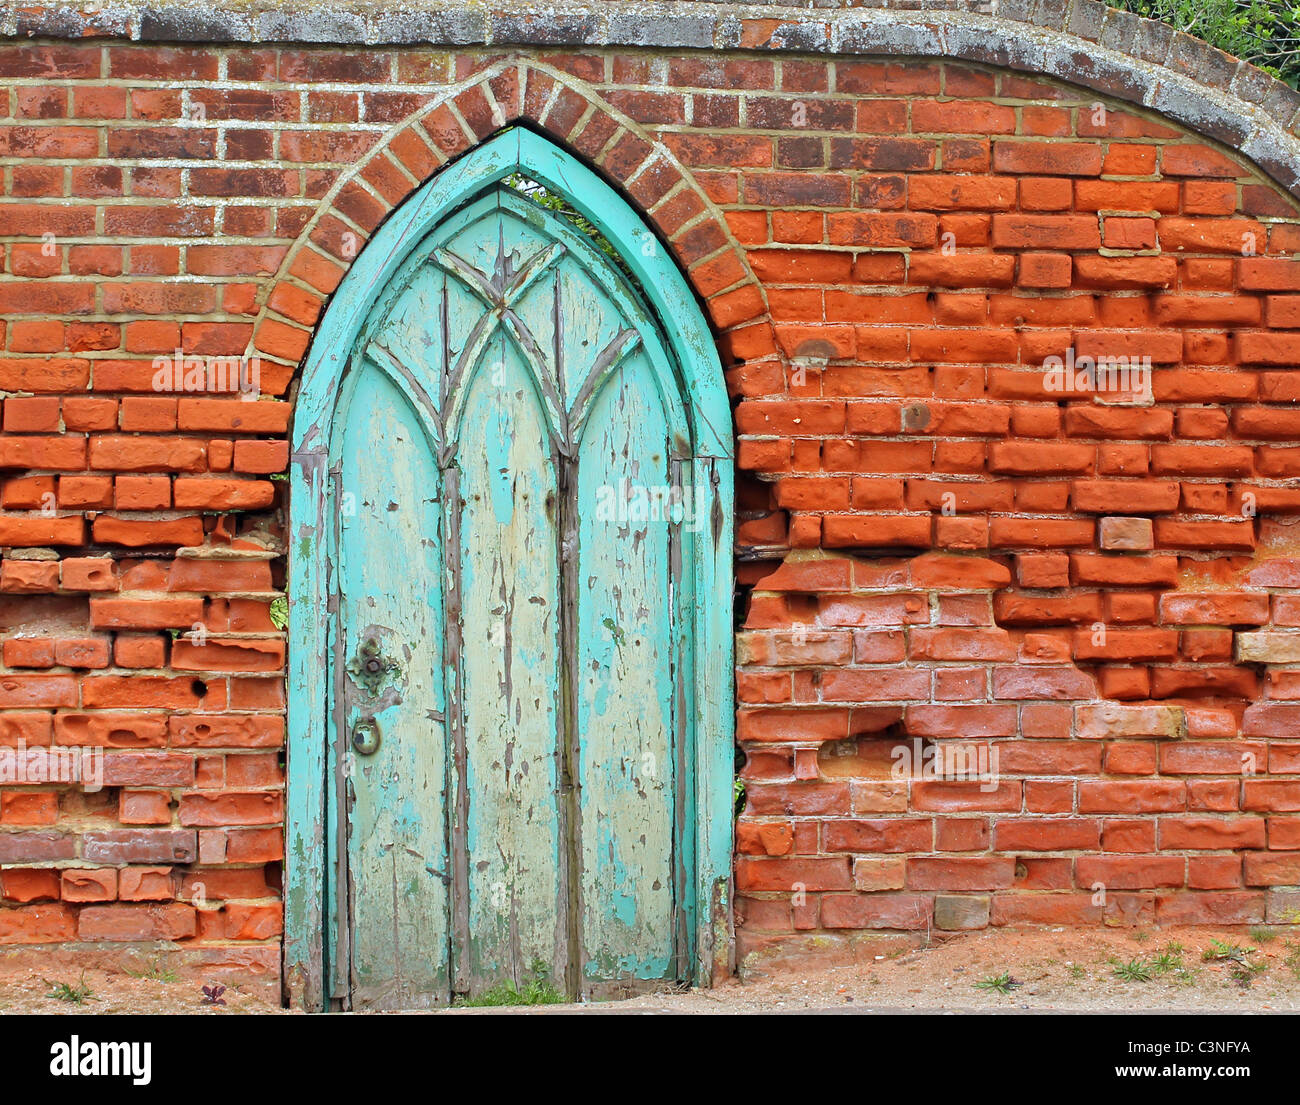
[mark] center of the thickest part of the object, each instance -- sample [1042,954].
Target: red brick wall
[933,547]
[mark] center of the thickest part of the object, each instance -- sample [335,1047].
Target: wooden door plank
[510,663]
[714,703]
[391,560]
[306,886]
[626,614]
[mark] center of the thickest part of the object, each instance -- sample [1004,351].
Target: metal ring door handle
[365,736]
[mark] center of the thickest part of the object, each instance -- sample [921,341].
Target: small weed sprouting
[212,994]
[1135,970]
[553,201]
[155,972]
[538,990]
[999,984]
[278,612]
[1220,950]
[1262,935]
[1167,961]
[77,994]
[1076,971]
[1292,960]
[1244,971]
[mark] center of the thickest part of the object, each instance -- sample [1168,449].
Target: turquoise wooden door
[513,491]
[510,664]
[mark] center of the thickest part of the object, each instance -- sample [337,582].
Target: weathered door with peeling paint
[514,501]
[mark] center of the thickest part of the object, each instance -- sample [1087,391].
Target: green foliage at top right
[1265,33]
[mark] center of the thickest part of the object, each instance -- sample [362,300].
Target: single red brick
[98,885]
[135,922]
[29,652]
[29,576]
[19,884]
[146,884]
[89,652]
[144,807]
[30,807]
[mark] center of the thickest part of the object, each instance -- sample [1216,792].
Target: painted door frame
[312,583]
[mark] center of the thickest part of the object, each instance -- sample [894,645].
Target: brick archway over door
[500,94]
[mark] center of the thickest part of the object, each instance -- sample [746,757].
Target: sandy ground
[1051,970]
[1056,970]
[98,991]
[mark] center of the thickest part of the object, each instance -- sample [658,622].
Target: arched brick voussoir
[559,105]
[570,112]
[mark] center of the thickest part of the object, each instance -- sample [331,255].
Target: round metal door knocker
[365,736]
[370,668]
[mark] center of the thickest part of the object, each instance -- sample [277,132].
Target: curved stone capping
[1083,42]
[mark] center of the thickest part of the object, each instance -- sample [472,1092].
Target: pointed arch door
[523,509]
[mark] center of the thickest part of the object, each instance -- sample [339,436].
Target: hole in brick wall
[199,688]
[754,498]
[128,738]
[872,755]
[1042,873]
[753,494]
[34,613]
[818,349]
[748,575]
[882,552]
[740,609]
[80,806]
[265,522]
[916,418]
[801,609]
[760,522]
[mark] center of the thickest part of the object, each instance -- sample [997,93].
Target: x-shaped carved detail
[499,293]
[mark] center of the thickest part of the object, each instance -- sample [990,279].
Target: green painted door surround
[511,689]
